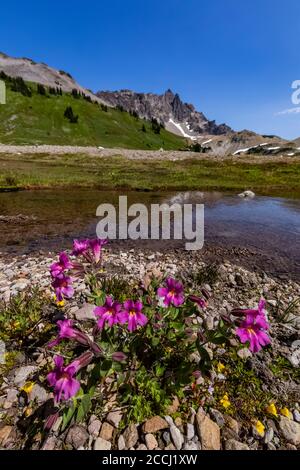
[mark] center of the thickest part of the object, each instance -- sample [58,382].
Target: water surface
[268,227]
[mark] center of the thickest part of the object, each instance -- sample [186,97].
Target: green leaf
[106,366]
[83,408]
[159,370]
[155,341]
[67,416]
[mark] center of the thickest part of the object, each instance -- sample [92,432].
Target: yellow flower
[225,402]
[286,412]
[28,387]
[260,427]
[28,411]
[59,303]
[271,409]
[220,367]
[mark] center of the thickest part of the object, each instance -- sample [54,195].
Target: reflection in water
[50,219]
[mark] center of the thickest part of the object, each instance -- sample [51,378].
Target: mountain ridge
[168,109]
[39,72]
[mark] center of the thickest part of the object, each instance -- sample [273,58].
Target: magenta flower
[108,313]
[57,269]
[172,293]
[96,247]
[66,331]
[61,378]
[80,247]
[198,300]
[63,287]
[253,328]
[132,313]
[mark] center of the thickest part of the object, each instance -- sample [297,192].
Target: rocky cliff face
[177,116]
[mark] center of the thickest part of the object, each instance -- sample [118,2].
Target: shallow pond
[268,227]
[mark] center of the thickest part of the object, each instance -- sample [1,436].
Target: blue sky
[235,60]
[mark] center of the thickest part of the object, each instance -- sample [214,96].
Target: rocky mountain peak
[178,117]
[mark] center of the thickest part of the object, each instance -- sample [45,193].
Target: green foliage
[41,121]
[41,89]
[20,316]
[283,314]
[19,86]
[248,398]
[156,127]
[69,170]
[158,364]
[206,275]
[283,369]
[69,114]
[116,286]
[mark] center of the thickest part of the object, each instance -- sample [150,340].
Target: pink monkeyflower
[202,303]
[253,328]
[132,313]
[57,269]
[108,313]
[80,247]
[61,378]
[96,247]
[66,331]
[172,293]
[63,287]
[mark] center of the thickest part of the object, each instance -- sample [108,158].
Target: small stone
[130,436]
[19,286]
[208,431]
[290,430]
[38,393]
[232,424]
[169,420]
[291,447]
[177,437]
[244,353]
[106,432]
[190,431]
[178,421]
[4,434]
[114,418]
[77,436]
[121,443]
[101,444]
[217,416]
[232,444]
[151,442]
[154,424]
[22,374]
[166,437]
[191,446]
[271,446]
[296,415]
[141,447]
[11,397]
[94,427]
[170,447]
[85,313]
[50,443]
[268,436]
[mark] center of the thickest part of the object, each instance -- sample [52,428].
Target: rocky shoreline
[231,287]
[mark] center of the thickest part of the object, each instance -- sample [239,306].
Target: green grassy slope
[40,120]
